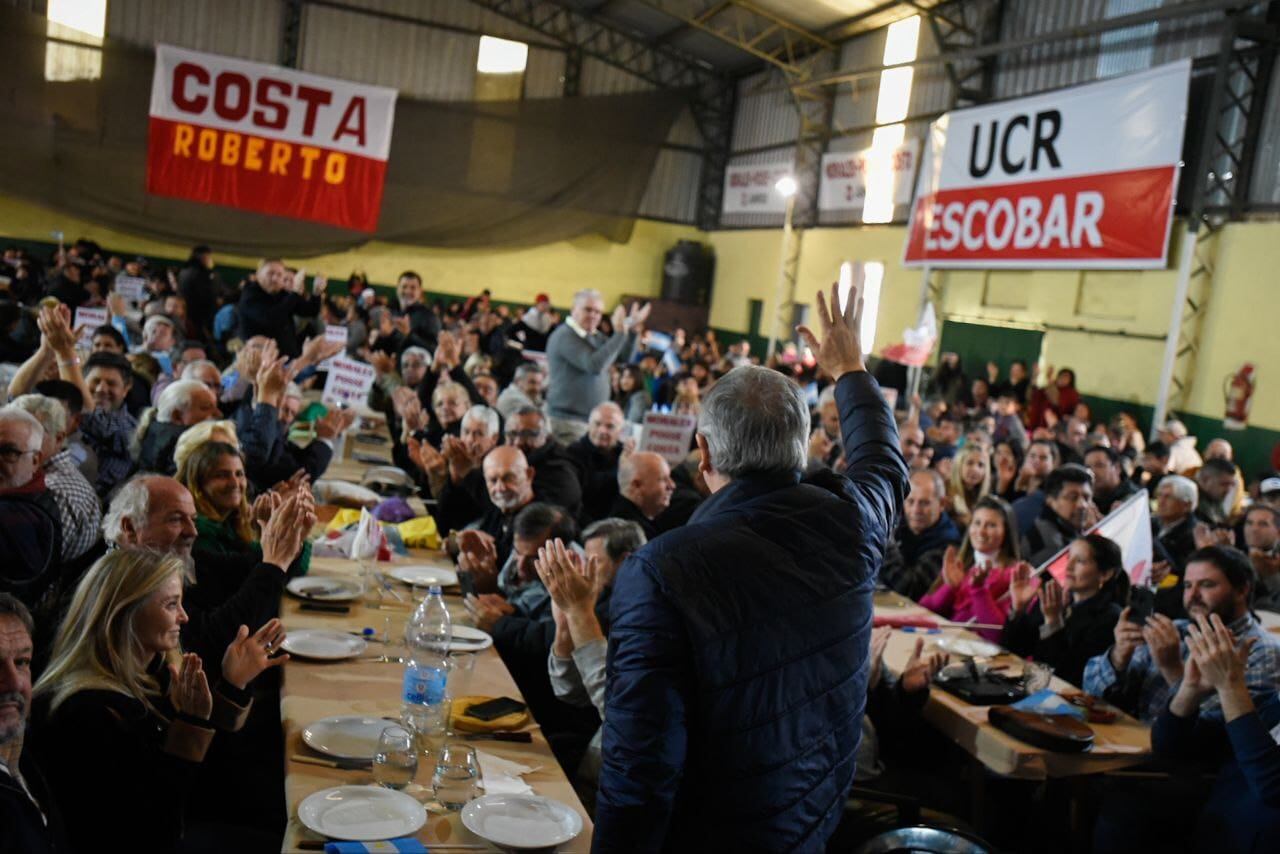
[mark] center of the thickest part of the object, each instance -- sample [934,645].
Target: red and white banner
[268,139]
[845,175]
[1079,178]
[1129,527]
[749,189]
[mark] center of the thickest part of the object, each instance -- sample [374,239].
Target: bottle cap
[434,590]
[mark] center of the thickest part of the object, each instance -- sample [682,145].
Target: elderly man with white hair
[181,404]
[30,522]
[738,647]
[77,503]
[596,454]
[578,360]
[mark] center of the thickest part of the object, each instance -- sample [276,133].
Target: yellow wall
[1240,325]
[517,275]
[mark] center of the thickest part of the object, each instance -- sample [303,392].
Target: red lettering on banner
[182,72]
[280,115]
[314,99]
[227,83]
[355,113]
[1090,217]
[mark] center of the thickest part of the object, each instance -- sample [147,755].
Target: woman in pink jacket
[974,579]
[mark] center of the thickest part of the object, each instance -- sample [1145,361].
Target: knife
[523,737]
[344,764]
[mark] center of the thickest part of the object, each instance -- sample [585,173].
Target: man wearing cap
[1269,491]
[1183,456]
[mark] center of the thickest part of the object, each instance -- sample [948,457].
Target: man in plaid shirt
[78,506]
[1143,669]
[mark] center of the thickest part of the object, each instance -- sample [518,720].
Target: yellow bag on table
[420,533]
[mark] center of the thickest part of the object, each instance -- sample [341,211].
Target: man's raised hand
[839,352]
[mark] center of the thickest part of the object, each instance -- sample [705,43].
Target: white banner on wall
[844,175]
[749,189]
[1077,178]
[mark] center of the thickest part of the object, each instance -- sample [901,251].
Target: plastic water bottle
[424,707]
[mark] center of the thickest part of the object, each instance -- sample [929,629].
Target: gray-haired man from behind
[578,360]
[738,645]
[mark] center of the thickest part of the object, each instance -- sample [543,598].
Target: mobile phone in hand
[1142,604]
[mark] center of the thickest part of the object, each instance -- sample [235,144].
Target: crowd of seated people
[152,490]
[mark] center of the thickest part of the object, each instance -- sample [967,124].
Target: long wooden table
[314,690]
[1121,744]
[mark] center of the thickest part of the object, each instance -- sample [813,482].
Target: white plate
[346,736]
[323,589]
[361,813]
[968,648]
[425,575]
[323,644]
[467,639]
[521,821]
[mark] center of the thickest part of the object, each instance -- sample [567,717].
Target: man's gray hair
[10,604]
[621,536]
[828,396]
[607,406]
[131,501]
[418,351]
[526,369]
[586,294]
[755,420]
[485,416]
[293,390]
[157,319]
[1183,489]
[189,372]
[176,397]
[35,432]
[50,412]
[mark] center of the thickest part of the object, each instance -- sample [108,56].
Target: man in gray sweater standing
[578,359]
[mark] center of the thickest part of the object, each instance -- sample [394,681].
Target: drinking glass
[430,727]
[463,665]
[396,761]
[456,776]
[1036,676]
[373,584]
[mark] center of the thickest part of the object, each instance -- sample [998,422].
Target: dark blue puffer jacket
[738,655]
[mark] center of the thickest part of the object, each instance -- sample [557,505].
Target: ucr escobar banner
[1081,177]
[268,139]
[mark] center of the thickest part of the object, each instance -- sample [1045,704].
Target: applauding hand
[920,671]
[953,573]
[1022,586]
[248,655]
[189,688]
